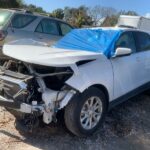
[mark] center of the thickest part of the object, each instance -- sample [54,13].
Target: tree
[77,16]
[98,12]
[34,8]
[110,21]
[130,13]
[10,3]
[58,13]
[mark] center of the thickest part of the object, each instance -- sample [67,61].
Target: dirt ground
[127,127]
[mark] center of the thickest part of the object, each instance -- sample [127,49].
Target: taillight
[2,35]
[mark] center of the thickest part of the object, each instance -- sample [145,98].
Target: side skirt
[129,95]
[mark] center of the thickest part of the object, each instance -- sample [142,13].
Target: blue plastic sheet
[95,40]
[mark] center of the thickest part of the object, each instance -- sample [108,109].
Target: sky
[142,7]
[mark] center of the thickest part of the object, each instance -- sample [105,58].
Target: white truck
[137,22]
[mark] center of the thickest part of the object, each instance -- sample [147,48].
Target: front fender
[96,72]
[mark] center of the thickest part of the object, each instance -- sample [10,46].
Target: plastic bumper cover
[21,107]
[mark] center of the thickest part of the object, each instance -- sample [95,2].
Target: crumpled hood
[48,56]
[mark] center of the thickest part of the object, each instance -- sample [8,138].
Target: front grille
[13,87]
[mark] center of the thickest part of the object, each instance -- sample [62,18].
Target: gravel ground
[127,127]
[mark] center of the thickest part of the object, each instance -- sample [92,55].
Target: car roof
[42,15]
[122,29]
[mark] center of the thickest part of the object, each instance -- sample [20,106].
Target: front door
[127,69]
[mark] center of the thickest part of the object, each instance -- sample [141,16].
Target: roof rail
[42,14]
[23,10]
[30,12]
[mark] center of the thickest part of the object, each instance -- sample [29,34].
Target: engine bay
[35,89]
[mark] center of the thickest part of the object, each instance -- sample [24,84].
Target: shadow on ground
[127,126]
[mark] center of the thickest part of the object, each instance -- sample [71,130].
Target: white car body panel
[47,56]
[119,75]
[82,78]
[98,72]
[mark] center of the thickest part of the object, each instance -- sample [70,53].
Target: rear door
[128,73]
[47,31]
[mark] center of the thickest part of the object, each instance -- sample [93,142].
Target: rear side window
[4,17]
[126,40]
[65,28]
[47,26]
[142,41]
[21,21]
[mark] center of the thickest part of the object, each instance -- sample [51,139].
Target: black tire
[73,110]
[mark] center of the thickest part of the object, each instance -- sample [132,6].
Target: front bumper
[9,103]
[13,89]
[20,107]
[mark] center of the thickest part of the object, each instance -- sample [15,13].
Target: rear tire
[86,112]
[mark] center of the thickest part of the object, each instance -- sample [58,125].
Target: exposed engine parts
[35,89]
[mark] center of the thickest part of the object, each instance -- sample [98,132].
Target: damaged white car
[86,73]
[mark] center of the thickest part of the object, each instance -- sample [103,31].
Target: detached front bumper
[13,91]
[20,107]
[9,103]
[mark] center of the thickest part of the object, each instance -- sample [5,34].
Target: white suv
[18,24]
[86,73]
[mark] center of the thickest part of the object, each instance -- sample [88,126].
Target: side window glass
[39,28]
[65,28]
[47,26]
[21,21]
[143,41]
[126,40]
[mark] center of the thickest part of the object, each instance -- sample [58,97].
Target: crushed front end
[34,90]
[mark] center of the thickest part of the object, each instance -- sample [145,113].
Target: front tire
[86,112]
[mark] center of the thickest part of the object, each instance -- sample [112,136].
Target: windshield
[4,17]
[95,40]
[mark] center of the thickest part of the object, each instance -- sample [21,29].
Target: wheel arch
[104,90]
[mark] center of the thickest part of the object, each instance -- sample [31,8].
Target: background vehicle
[137,22]
[20,24]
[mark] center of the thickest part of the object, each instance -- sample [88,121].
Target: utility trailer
[137,22]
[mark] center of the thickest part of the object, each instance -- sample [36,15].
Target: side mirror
[120,51]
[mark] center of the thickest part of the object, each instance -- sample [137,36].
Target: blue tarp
[95,40]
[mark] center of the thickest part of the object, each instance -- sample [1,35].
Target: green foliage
[98,12]
[58,13]
[34,8]
[10,3]
[131,13]
[110,21]
[77,16]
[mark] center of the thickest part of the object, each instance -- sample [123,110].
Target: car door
[127,69]
[47,31]
[143,50]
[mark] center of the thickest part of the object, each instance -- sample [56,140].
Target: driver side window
[126,40]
